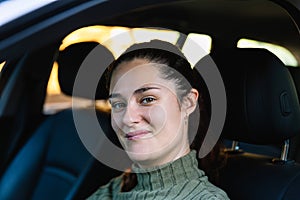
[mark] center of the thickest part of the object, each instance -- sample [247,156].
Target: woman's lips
[134,135]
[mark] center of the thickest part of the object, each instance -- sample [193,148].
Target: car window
[1,66]
[193,41]
[56,100]
[11,10]
[4,74]
[282,53]
[117,39]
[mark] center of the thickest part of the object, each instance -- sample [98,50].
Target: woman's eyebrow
[144,89]
[114,95]
[138,91]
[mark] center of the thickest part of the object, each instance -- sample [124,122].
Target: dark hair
[179,69]
[185,78]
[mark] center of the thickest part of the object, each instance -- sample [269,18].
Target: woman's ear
[190,101]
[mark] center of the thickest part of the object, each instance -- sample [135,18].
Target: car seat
[262,109]
[294,152]
[54,163]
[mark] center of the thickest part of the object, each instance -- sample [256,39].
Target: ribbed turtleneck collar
[168,175]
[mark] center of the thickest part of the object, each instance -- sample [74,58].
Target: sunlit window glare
[282,53]
[117,40]
[146,35]
[2,65]
[55,100]
[53,86]
[196,47]
[92,33]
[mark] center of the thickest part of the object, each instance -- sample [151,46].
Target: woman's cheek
[115,122]
[157,117]
[118,131]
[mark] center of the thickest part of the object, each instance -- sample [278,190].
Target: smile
[135,135]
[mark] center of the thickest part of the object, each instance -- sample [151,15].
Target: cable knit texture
[180,179]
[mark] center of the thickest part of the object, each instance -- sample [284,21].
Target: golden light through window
[117,40]
[53,86]
[1,66]
[282,53]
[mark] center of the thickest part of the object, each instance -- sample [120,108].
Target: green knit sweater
[181,179]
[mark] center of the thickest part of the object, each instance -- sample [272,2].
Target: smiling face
[147,115]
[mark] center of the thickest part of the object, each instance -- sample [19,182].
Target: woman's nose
[132,114]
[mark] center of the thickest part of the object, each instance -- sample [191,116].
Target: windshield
[13,9]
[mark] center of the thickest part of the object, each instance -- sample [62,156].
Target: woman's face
[147,115]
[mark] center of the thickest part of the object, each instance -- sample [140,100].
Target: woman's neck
[183,169]
[161,161]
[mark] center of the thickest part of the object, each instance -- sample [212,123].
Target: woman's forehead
[137,73]
[127,65]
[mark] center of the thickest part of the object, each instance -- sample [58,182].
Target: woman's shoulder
[106,192]
[207,190]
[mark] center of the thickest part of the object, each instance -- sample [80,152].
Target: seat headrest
[70,60]
[295,72]
[262,102]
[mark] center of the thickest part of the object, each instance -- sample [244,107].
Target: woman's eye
[117,106]
[147,100]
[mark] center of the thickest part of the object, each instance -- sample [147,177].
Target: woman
[152,102]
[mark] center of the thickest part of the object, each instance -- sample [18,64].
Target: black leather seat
[263,109]
[295,142]
[54,164]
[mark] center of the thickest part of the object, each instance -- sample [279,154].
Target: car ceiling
[225,20]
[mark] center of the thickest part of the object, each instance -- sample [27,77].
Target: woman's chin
[141,157]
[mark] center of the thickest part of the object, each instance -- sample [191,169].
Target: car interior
[43,156]
[262,116]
